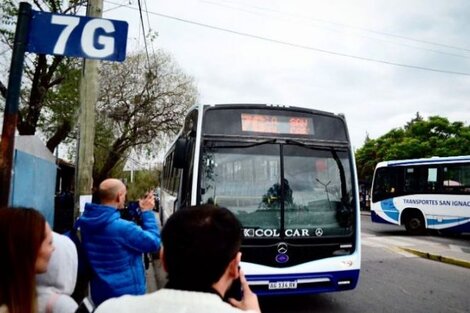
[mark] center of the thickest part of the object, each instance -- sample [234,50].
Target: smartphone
[235,291]
[85,307]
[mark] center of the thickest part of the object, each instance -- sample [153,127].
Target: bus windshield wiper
[308,146]
[270,141]
[312,146]
[297,143]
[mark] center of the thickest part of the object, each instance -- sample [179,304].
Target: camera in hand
[132,213]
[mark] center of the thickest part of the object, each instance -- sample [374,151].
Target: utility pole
[89,89]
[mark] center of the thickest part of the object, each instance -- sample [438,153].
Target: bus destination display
[277,124]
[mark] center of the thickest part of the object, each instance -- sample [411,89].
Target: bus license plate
[283,285]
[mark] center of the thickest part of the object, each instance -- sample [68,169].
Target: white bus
[432,193]
[289,176]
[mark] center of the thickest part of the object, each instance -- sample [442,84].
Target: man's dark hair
[199,242]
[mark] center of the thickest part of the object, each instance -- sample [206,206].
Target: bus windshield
[289,190]
[287,173]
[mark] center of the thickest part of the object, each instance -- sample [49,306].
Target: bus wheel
[414,224]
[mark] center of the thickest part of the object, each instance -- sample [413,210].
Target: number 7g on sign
[78,36]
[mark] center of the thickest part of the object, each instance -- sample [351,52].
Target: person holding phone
[201,255]
[113,245]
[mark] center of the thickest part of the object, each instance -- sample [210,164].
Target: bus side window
[410,181]
[432,179]
[456,178]
[385,184]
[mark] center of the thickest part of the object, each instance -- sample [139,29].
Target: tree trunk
[28,120]
[61,133]
[115,154]
[112,159]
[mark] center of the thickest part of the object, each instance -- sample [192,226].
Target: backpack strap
[51,301]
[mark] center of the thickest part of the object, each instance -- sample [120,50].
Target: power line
[300,46]
[310,19]
[148,23]
[342,25]
[143,32]
[148,17]
[116,7]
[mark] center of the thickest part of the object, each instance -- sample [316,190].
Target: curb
[436,257]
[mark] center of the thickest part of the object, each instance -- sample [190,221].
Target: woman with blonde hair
[25,249]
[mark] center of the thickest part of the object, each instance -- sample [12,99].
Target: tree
[419,138]
[417,118]
[144,181]
[62,102]
[141,100]
[42,97]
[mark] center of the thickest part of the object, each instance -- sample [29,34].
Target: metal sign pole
[10,116]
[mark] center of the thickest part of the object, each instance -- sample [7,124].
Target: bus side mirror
[181,153]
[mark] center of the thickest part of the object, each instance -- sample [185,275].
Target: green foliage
[103,141]
[61,105]
[143,181]
[142,99]
[63,100]
[419,138]
[49,95]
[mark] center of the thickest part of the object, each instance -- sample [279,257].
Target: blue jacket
[114,247]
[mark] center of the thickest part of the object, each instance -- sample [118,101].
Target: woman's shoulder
[3,308]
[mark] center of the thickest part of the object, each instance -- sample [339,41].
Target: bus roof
[272,106]
[433,160]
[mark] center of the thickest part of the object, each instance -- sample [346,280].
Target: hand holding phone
[235,290]
[85,307]
[147,202]
[249,299]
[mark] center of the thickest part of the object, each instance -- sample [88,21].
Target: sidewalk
[450,254]
[445,254]
[156,277]
[151,279]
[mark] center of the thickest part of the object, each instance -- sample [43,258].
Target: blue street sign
[77,36]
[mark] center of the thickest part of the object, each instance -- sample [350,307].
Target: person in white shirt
[54,287]
[201,255]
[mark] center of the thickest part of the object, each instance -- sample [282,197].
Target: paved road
[449,248]
[392,280]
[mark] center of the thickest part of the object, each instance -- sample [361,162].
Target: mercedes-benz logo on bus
[282,248]
[282,256]
[319,232]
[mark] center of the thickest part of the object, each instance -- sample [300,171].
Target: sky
[377,62]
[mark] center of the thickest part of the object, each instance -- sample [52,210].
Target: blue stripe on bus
[389,209]
[462,228]
[377,219]
[435,221]
[428,161]
[334,277]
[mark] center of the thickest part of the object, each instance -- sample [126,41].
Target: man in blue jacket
[114,246]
